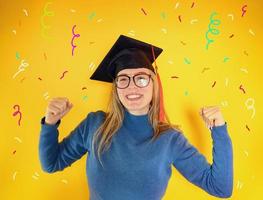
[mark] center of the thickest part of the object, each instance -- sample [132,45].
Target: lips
[133,97]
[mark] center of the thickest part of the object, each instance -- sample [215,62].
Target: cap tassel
[161,111]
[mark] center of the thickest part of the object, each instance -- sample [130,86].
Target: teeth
[133,96]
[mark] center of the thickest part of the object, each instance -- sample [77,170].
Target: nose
[132,84]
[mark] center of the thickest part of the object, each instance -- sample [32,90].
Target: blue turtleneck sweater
[133,168]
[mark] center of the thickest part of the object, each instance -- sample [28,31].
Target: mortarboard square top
[126,53]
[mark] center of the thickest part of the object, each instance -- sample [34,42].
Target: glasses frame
[133,78]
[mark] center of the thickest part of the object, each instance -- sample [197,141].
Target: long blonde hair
[114,118]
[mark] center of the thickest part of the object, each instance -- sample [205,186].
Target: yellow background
[232,61]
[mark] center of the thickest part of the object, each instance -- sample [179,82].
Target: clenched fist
[56,109]
[212,116]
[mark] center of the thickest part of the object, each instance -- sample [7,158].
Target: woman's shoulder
[98,115]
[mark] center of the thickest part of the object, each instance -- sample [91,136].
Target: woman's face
[136,99]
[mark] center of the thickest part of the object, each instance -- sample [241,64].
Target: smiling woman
[131,150]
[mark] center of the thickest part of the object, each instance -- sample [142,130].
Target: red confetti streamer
[247,128]
[179,17]
[17,112]
[213,84]
[143,11]
[45,56]
[241,88]
[63,74]
[244,10]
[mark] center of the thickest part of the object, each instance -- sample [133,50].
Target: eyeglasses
[140,80]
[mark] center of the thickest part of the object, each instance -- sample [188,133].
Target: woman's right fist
[57,108]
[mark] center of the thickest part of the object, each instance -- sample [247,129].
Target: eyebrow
[134,74]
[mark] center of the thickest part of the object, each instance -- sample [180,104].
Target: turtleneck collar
[138,123]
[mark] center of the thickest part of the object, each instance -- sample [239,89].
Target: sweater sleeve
[55,156]
[215,179]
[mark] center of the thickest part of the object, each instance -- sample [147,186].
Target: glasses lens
[122,81]
[141,80]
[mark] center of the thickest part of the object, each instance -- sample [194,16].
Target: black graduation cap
[126,53]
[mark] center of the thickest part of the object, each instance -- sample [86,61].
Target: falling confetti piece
[46,96]
[143,11]
[241,88]
[174,77]
[64,181]
[245,53]
[91,66]
[17,112]
[224,103]
[18,139]
[246,152]
[186,93]
[248,128]
[187,61]
[183,43]
[99,20]
[14,175]
[84,88]
[214,84]
[85,98]
[177,4]
[231,36]
[14,31]
[17,56]
[244,10]
[250,102]
[25,11]
[205,69]
[239,185]
[74,36]
[251,32]
[244,70]
[21,81]
[39,78]
[232,16]
[46,13]
[212,30]
[226,59]
[163,15]
[193,21]
[45,56]
[192,4]
[14,151]
[164,30]
[72,10]
[226,81]
[92,15]
[63,74]
[179,17]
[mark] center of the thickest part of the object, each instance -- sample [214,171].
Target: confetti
[46,13]
[21,68]
[176,5]
[35,176]
[25,11]
[246,152]
[187,61]
[251,32]
[63,74]
[241,88]
[192,4]
[46,96]
[18,139]
[224,103]
[170,62]
[183,43]
[84,88]
[143,11]
[206,68]
[163,15]
[74,35]
[231,36]
[245,53]
[244,10]
[91,66]
[99,20]
[14,175]
[85,98]
[179,17]
[239,184]
[14,151]
[193,21]
[244,70]
[45,56]
[232,16]
[186,93]
[91,16]
[214,84]
[64,181]
[17,56]
[131,32]
[17,112]
[22,79]
[226,59]
[213,22]
[164,30]
[250,106]
[39,78]
[14,31]
[247,128]
[72,10]
[174,77]
[226,81]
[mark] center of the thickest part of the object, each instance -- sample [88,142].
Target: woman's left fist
[212,116]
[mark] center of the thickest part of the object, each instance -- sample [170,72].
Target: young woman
[130,150]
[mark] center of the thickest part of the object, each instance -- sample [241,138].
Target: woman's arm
[216,179]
